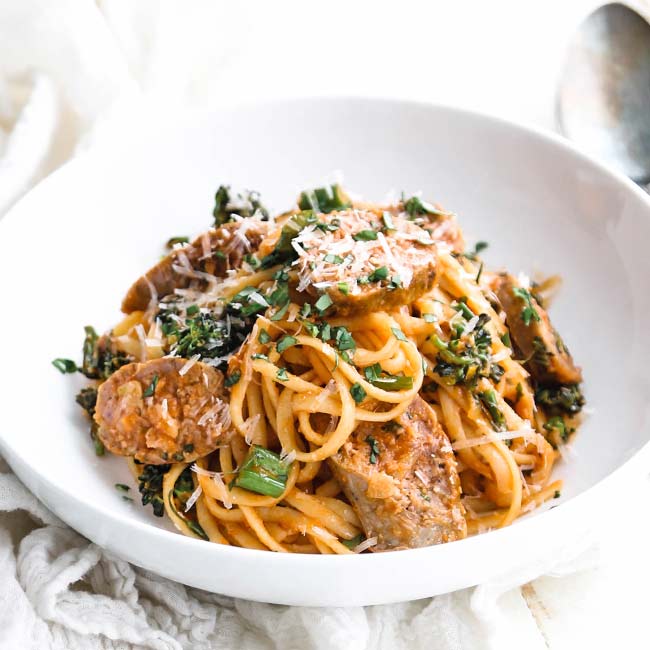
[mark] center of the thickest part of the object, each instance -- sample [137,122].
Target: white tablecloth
[75,72]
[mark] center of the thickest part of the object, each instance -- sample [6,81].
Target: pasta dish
[344,377]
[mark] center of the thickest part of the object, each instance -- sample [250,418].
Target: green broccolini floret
[150,482]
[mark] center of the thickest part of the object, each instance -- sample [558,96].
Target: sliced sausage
[362,263]
[215,252]
[548,359]
[402,480]
[153,413]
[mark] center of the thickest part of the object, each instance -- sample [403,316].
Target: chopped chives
[378,274]
[286,342]
[151,388]
[263,472]
[399,335]
[333,259]
[65,365]
[358,393]
[282,374]
[323,303]
[365,235]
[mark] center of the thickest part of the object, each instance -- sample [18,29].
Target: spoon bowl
[603,99]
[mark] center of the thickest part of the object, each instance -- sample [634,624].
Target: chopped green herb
[251,260]
[560,399]
[505,339]
[173,241]
[480,272]
[528,313]
[519,392]
[325,332]
[344,339]
[374,449]
[263,472]
[358,393]
[122,487]
[557,494]
[415,207]
[65,365]
[100,450]
[280,313]
[283,250]
[192,525]
[462,307]
[354,542]
[479,248]
[429,318]
[540,353]
[333,259]
[285,343]
[244,204]
[257,355]
[556,423]
[323,303]
[398,334]
[365,235]
[263,337]
[465,362]
[393,382]
[395,283]
[324,199]
[87,399]
[387,218]
[232,378]
[378,274]
[192,310]
[312,328]
[282,374]
[99,360]
[343,288]
[151,388]
[488,401]
[207,334]
[305,310]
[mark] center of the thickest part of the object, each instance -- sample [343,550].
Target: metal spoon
[603,99]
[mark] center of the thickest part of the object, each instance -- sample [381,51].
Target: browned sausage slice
[215,252]
[549,360]
[410,495]
[362,262]
[153,413]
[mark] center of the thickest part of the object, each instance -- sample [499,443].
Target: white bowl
[70,249]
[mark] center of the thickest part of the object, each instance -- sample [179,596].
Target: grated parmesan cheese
[365,545]
[193,498]
[188,365]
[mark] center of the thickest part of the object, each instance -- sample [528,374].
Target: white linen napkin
[73,73]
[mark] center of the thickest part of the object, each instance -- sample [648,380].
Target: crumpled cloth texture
[74,73]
